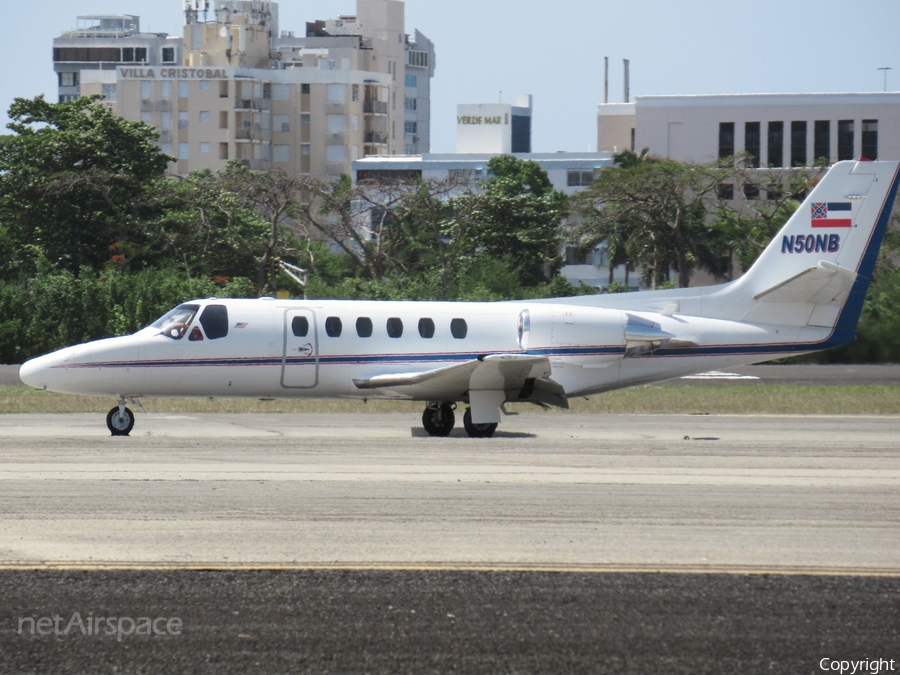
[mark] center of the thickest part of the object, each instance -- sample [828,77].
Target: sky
[492,50]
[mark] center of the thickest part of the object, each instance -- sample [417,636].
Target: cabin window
[300,326]
[215,321]
[395,328]
[176,323]
[426,328]
[364,327]
[459,328]
[333,327]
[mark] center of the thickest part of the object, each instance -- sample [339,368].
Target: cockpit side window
[176,323]
[214,320]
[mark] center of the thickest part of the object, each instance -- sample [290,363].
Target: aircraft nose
[35,373]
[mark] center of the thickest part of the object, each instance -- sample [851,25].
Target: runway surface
[344,544]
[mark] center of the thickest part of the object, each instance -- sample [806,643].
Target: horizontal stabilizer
[824,284]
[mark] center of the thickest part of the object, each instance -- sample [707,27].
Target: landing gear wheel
[120,423]
[477,430]
[438,419]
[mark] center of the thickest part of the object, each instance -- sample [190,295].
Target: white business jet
[804,294]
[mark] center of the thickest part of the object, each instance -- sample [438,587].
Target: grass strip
[700,400]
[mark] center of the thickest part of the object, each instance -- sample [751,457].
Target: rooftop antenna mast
[885,69]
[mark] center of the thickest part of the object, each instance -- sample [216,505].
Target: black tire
[439,420]
[120,425]
[477,430]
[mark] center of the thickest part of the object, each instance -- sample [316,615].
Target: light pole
[885,76]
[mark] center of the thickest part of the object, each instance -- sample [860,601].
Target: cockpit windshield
[175,324]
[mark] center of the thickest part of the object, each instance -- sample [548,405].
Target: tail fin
[817,270]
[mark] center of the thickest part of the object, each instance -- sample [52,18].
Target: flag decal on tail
[833,214]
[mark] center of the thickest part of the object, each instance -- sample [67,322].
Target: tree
[659,208]
[518,216]
[72,181]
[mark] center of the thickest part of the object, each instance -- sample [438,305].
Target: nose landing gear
[120,420]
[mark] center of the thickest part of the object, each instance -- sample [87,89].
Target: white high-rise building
[307,105]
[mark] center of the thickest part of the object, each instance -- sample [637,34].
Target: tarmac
[355,544]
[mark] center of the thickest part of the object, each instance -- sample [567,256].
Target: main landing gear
[438,420]
[120,420]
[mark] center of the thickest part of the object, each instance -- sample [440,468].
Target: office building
[776,130]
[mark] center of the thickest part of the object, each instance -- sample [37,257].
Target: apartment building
[306,105]
[105,42]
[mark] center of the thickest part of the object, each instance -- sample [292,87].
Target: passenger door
[300,359]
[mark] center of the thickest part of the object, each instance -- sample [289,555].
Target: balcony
[155,105]
[241,103]
[256,135]
[376,138]
[375,108]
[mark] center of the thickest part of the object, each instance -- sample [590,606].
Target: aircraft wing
[523,377]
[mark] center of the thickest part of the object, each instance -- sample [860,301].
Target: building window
[726,139]
[822,140]
[140,54]
[580,178]
[337,92]
[725,191]
[798,143]
[223,119]
[411,104]
[751,190]
[166,89]
[364,327]
[305,149]
[304,88]
[355,92]
[165,120]
[395,328]
[575,256]
[282,123]
[753,142]
[168,55]
[204,115]
[335,153]
[204,85]
[459,329]
[870,139]
[223,151]
[411,127]
[412,81]
[282,153]
[204,147]
[335,123]
[109,91]
[147,118]
[305,119]
[128,55]
[776,144]
[68,79]
[183,151]
[845,140]
[166,149]
[223,88]
[183,90]
[267,91]
[183,119]
[146,89]
[281,92]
